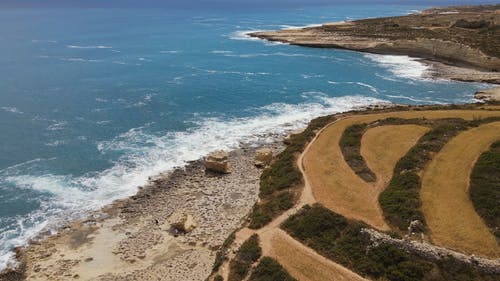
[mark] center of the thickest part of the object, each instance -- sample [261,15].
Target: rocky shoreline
[461,43]
[133,238]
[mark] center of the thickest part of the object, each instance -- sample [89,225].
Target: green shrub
[218,278]
[350,145]
[485,187]
[278,181]
[247,254]
[220,256]
[342,241]
[271,207]
[270,270]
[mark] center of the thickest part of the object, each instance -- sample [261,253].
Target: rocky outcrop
[488,95]
[218,162]
[263,157]
[467,39]
[182,222]
[431,252]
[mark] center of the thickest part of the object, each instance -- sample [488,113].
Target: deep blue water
[92,102]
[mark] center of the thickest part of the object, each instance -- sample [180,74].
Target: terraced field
[447,207]
[339,230]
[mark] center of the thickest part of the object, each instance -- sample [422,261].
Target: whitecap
[58,125]
[415,99]
[12,109]
[370,87]
[170,52]
[221,52]
[56,143]
[89,47]
[44,41]
[288,27]
[402,66]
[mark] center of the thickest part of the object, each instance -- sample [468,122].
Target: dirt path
[335,185]
[281,246]
[304,263]
[448,210]
[277,244]
[383,146]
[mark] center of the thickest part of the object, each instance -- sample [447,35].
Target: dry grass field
[383,146]
[447,207]
[333,182]
[304,263]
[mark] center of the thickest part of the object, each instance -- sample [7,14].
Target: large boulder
[263,157]
[182,222]
[217,161]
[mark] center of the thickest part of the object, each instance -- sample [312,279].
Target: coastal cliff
[456,36]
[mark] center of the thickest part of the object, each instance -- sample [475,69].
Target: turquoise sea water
[94,101]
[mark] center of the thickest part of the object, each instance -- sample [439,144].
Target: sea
[93,102]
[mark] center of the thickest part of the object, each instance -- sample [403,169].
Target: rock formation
[182,222]
[488,95]
[263,157]
[218,162]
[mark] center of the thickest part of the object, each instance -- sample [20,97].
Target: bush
[273,205]
[281,175]
[270,270]
[220,256]
[350,145]
[342,241]
[248,254]
[485,187]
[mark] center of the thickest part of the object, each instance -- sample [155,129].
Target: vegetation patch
[247,255]
[342,241]
[221,254]
[485,188]
[280,182]
[400,201]
[270,270]
[350,144]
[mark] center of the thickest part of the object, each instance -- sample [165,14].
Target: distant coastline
[459,43]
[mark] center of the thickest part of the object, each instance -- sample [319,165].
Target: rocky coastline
[137,238]
[460,43]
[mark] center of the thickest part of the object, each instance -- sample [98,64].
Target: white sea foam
[402,66]
[221,52]
[170,52]
[370,87]
[80,60]
[244,35]
[287,27]
[89,47]
[44,41]
[12,109]
[56,143]
[58,125]
[415,99]
[148,154]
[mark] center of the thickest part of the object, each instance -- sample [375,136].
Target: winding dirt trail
[449,212]
[301,261]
